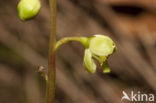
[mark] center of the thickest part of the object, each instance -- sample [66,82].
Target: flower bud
[28,9]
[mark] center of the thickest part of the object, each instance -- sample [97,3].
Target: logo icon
[125,96]
[138,96]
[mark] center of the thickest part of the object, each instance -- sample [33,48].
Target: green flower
[100,47]
[28,9]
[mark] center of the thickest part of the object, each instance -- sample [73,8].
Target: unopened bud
[27,9]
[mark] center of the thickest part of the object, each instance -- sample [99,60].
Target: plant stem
[50,92]
[82,40]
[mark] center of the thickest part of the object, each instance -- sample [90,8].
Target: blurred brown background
[24,46]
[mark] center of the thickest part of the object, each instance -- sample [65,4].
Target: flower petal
[101,45]
[90,66]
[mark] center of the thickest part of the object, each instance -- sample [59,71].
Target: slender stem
[82,40]
[50,92]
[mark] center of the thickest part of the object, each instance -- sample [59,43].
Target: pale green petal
[90,66]
[101,45]
[28,9]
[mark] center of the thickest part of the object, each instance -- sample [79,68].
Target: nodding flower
[28,9]
[100,47]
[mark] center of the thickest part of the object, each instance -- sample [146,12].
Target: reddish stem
[50,95]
